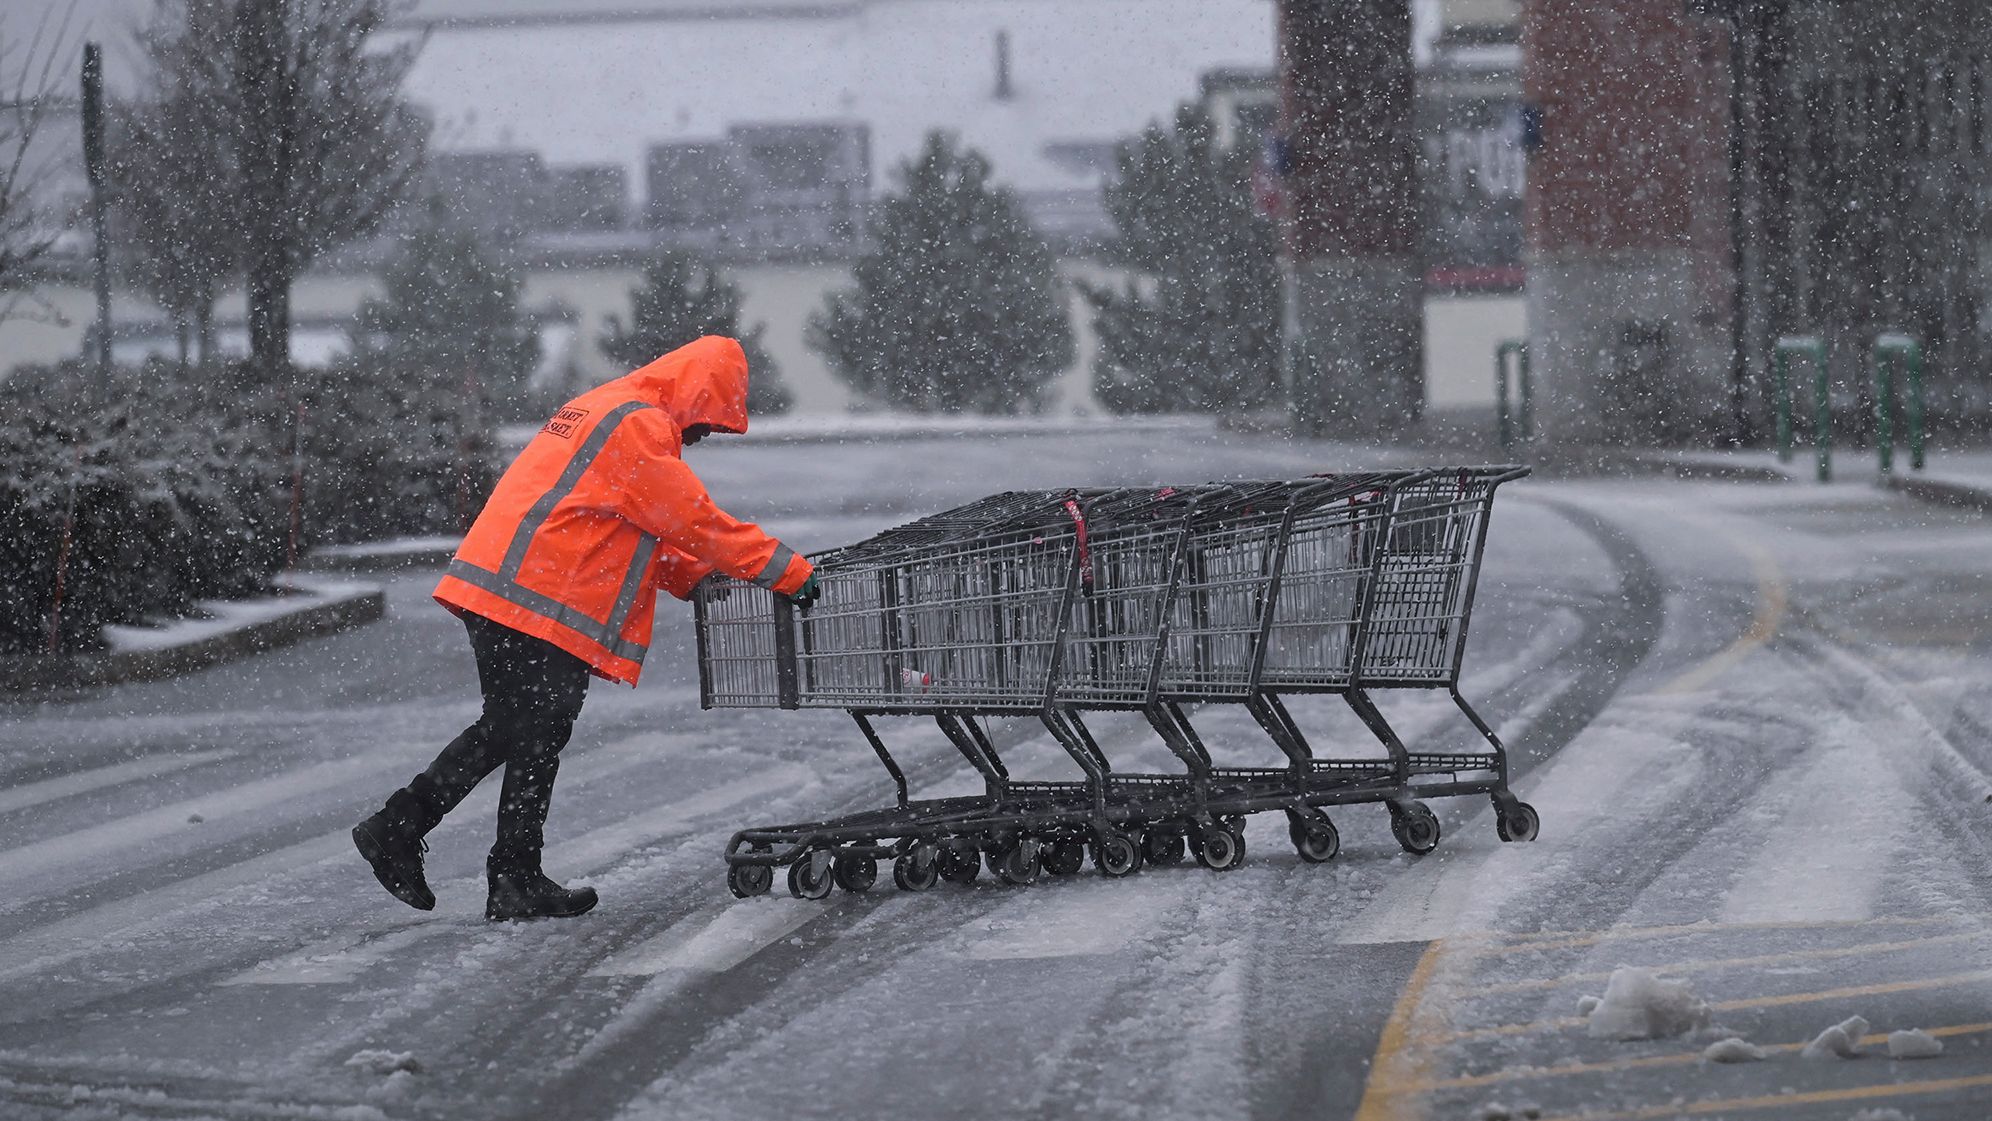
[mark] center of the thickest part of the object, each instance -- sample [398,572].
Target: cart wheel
[1416,828]
[1235,825]
[1017,864]
[1116,854]
[1062,858]
[1163,846]
[918,870]
[810,878]
[1518,822]
[959,864]
[746,881]
[1315,839]
[1220,850]
[855,872]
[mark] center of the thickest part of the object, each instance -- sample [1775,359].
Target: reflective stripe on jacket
[599,512]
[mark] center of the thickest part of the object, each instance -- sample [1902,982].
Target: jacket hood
[702,382]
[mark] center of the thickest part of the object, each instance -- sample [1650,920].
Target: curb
[1943,493]
[359,559]
[66,673]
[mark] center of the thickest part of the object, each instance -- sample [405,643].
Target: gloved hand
[806,595]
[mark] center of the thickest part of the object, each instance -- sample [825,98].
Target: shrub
[172,487]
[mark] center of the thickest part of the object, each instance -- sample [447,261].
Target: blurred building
[1628,218]
[1678,182]
[765,190]
[1705,178]
[1864,190]
[508,194]
[1469,120]
[762,128]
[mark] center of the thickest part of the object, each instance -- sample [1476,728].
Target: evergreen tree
[958,305]
[681,299]
[1198,324]
[449,314]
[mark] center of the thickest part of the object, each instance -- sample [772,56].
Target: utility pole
[93,160]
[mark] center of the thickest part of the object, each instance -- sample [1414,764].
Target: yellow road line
[1769,616]
[1779,1001]
[1522,1074]
[1572,939]
[1711,964]
[1781,1101]
[1400,1054]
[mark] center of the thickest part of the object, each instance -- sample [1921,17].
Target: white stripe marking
[600,846]
[31,862]
[1841,833]
[86,932]
[48,790]
[1467,886]
[1076,920]
[711,941]
[338,960]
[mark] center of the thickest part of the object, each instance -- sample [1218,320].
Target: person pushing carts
[557,581]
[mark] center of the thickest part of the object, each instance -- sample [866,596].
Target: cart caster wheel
[1062,858]
[855,873]
[1220,850]
[746,881]
[1517,822]
[1235,825]
[918,870]
[1416,828]
[1116,855]
[1162,846]
[810,877]
[1315,839]
[1018,864]
[959,864]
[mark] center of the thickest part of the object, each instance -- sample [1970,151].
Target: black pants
[532,692]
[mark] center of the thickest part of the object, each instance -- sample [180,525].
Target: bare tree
[174,186]
[28,74]
[305,105]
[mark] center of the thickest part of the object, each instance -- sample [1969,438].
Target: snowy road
[1756,720]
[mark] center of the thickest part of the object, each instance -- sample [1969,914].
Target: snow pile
[1914,1044]
[384,1063]
[1841,1041]
[1587,1005]
[1733,1050]
[1641,1004]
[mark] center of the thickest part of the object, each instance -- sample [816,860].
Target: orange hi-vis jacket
[599,511]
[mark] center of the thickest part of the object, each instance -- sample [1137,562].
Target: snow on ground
[1796,836]
[297,593]
[1641,1004]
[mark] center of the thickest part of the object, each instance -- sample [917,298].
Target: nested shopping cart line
[1056,604]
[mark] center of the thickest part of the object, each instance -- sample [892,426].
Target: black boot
[391,841]
[519,890]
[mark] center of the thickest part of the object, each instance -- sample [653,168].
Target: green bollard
[1813,348]
[1895,350]
[1520,422]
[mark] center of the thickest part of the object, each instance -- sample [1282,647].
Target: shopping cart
[1051,604]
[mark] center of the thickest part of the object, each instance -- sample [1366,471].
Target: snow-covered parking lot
[1756,720]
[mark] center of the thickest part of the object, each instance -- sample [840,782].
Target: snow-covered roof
[531,11]
[599,81]
[580,87]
